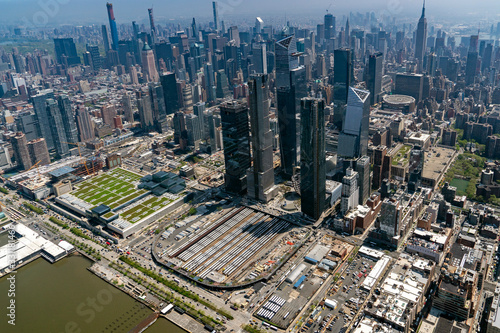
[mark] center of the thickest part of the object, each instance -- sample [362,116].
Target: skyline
[67,11]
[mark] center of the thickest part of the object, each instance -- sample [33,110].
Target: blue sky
[94,11]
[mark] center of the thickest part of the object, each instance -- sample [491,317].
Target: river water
[65,297]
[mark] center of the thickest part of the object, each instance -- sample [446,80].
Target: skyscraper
[260,177]
[343,78]
[149,64]
[421,40]
[170,93]
[329,26]
[158,107]
[152,25]
[127,108]
[313,157]
[350,191]
[222,90]
[363,170]
[235,131]
[259,58]
[108,112]
[57,128]
[68,118]
[199,111]
[66,51]
[471,67]
[105,37]
[43,122]
[95,56]
[215,7]
[38,152]
[374,76]
[353,140]
[180,133]
[84,124]
[20,147]
[145,111]
[291,88]
[112,27]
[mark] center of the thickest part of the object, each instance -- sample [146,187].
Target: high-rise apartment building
[21,153]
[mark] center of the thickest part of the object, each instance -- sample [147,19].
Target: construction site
[231,247]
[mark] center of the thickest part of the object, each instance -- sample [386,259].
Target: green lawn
[460,184]
[112,189]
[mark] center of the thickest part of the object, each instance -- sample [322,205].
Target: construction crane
[80,153]
[37,170]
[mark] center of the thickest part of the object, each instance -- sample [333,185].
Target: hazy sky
[55,12]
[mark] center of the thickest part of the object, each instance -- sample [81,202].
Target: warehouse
[316,254]
[295,273]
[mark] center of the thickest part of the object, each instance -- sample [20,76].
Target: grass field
[112,189]
[460,184]
[144,209]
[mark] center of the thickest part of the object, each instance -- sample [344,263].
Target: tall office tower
[210,82]
[421,41]
[432,61]
[286,60]
[193,128]
[234,34]
[410,84]
[170,94]
[363,170]
[222,90]
[68,118]
[313,157]
[180,134]
[378,164]
[20,147]
[158,107]
[350,191]
[236,141]
[108,112]
[145,111]
[487,57]
[215,7]
[38,152]
[471,67]
[260,176]
[57,128]
[474,43]
[27,123]
[152,26]
[199,111]
[105,38]
[329,26]
[343,78]
[374,77]
[259,25]
[291,88]
[65,50]
[85,124]
[112,27]
[259,58]
[95,56]
[353,140]
[44,125]
[390,217]
[187,98]
[127,108]
[194,29]
[148,63]
[347,33]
